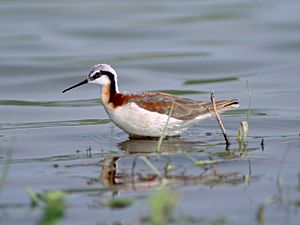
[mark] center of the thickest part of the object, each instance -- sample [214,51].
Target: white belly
[140,122]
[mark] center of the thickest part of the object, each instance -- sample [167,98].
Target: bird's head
[101,74]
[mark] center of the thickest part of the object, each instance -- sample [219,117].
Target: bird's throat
[107,94]
[111,98]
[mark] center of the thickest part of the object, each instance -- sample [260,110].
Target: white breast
[140,122]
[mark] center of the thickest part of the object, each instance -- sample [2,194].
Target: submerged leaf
[118,203]
[206,81]
[202,163]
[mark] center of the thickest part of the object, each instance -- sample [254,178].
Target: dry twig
[218,118]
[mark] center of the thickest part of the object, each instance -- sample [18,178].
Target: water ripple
[64,123]
[73,103]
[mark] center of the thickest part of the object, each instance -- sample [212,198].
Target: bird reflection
[109,172]
[128,172]
[169,145]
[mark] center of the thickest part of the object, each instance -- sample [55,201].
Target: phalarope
[146,114]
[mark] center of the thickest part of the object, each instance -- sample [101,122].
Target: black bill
[76,85]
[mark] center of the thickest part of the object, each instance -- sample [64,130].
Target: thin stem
[218,118]
[162,136]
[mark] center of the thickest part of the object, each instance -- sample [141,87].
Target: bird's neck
[109,90]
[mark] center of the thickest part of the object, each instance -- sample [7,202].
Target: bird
[149,114]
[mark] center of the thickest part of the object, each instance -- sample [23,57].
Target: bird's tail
[226,105]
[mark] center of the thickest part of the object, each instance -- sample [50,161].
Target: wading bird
[148,114]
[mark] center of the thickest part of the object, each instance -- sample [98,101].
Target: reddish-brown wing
[183,108]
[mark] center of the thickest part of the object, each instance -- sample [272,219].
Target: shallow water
[64,141]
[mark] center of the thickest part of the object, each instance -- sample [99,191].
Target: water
[63,141]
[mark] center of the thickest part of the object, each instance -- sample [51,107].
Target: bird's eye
[95,75]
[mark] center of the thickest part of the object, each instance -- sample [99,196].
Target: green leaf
[202,163]
[118,203]
[206,81]
[161,204]
[35,197]
[162,136]
[55,208]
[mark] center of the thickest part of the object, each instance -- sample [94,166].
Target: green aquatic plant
[161,205]
[4,171]
[207,81]
[220,221]
[151,166]
[242,135]
[202,163]
[117,203]
[246,112]
[243,131]
[162,136]
[53,203]
[35,197]
[190,220]
[275,199]
[5,167]
[260,214]
[249,102]
[55,208]
[298,185]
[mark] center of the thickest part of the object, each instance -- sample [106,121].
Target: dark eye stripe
[109,74]
[95,75]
